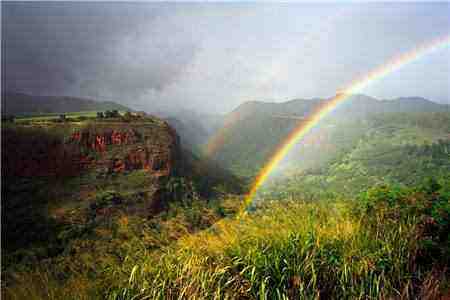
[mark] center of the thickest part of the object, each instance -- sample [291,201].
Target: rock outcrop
[102,147]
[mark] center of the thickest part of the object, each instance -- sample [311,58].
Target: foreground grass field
[391,243]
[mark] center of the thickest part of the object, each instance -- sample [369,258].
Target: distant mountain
[357,105]
[23,104]
[254,129]
[415,104]
[361,105]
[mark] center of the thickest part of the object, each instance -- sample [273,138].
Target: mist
[212,57]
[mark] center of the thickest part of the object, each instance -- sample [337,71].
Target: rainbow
[219,138]
[321,112]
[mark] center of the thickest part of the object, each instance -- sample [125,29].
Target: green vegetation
[55,116]
[393,242]
[258,128]
[82,118]
[361,213]
[395,149]
[50,216]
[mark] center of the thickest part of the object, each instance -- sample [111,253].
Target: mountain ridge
[251,104]
[252,131]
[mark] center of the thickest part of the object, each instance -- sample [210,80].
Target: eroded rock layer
[68,149]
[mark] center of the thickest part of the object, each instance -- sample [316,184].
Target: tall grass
[389,244]
[286,250]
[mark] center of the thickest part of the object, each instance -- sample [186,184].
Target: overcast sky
[212,57]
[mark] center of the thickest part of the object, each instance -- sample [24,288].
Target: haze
[212,57]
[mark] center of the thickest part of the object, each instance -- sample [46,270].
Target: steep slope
[60,176]
[58,171]
[254,129]
[398,149]
[67,149]
[23,104]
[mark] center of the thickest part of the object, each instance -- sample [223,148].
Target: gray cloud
[212,57]
[91,49]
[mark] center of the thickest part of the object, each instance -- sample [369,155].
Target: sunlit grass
[374,248]
[292,249]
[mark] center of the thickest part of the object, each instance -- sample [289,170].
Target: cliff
[64,175]
[100,147]
[59,175]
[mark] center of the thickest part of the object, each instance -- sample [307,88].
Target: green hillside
[258,128]
[400,149]
[360,209]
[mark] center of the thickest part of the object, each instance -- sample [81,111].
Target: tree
[115,113]
[109,114]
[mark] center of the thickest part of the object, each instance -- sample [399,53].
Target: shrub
[106,198]
[392,243]
[428,206]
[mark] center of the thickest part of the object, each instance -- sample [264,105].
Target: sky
[211,57]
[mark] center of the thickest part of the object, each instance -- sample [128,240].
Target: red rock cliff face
[99,147]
